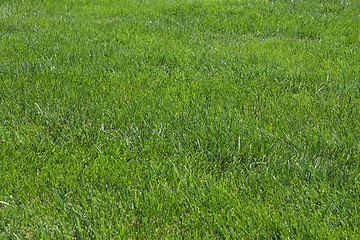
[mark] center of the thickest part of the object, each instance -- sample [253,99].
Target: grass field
[193,119]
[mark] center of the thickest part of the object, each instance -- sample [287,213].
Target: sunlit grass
[179,119]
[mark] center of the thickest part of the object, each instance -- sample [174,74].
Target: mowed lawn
[179,119]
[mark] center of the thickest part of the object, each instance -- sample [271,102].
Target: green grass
[179,119]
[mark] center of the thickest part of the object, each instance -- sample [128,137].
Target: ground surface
[179,119]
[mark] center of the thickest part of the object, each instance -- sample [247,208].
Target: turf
[194,119]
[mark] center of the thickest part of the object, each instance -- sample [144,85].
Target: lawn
[193,119]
